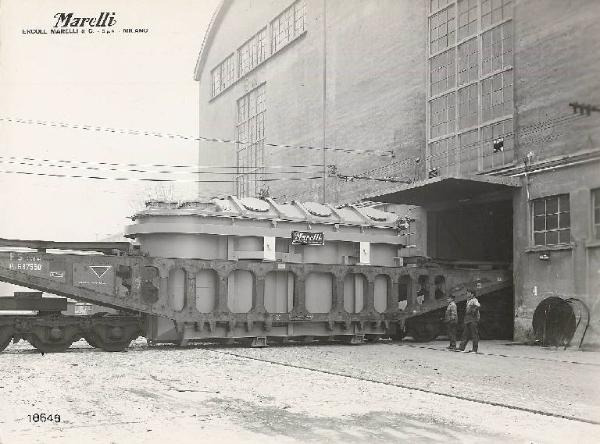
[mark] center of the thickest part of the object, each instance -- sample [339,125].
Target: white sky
[132,81]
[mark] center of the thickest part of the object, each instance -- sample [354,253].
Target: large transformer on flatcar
[233,268]
[296,269]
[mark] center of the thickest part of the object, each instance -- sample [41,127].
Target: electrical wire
[148,179]
[132,132]
[67,166]
[156,165]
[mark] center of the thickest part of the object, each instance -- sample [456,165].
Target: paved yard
[384,392]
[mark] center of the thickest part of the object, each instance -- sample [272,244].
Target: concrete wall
[572,270]
[557,59]
[375,89]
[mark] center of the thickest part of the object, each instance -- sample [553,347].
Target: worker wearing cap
[451,318]
[470,331]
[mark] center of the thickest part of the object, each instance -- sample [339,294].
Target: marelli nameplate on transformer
[307,238]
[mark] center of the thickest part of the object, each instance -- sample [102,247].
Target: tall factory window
[469,151]
[468,62]
[551,220]
[494,11]
[467,18]
[468,104]
[496,48]
[223,75]
[496,96]
[471,80]
[442,30]
[434,5]
[253,52]
[288,25]
[596,206]
[442,72]
[251,142]
[442,115]
[497,144]
[442,155]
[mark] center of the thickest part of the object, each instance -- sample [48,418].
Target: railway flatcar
[241,268]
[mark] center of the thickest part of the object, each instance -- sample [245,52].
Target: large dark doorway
[479,232]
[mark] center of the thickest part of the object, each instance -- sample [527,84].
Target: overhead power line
[148,179]
[131,132]
[49,164]
[157,165]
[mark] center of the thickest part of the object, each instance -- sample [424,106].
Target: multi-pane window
[494,11]
[596,207]
[467,18]
[442,30]
[223,75]
[470,94]
[442,155]
[469,151]
[434,5]
[442,72]
[288,25]
[497,96]
[251,141]
[497,145]
[253,52]
[442,115]
[551,220]
[468,104]
[497,48]
[468,62]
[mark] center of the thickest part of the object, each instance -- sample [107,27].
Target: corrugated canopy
[448,188]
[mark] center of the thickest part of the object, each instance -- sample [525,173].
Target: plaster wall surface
[366,83]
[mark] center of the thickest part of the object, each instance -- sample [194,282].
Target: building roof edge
[213,25]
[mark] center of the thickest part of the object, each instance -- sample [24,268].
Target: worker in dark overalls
[471,328]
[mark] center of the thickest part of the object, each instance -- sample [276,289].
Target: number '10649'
[43,417]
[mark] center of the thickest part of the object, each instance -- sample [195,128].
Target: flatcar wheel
[50,347]
[109,345]
[6,335]
[53,339]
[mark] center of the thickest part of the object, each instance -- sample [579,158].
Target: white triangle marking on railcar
[99,270]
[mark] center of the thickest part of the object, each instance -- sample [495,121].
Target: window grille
[551,220]
[288,25]
[467,18]
[468,62]
[442,115]
[497,96]
[251,142]
[253,52]
[442,30]
[494,157]
[442,155]
[494,11]
[442,72]
[468,104]
[596,215]
[223,75]
[497,48]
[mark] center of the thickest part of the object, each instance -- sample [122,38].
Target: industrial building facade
[465,102]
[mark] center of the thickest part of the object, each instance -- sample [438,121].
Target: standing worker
[471,323]
[451,318]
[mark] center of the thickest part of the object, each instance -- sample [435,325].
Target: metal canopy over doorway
[431,192]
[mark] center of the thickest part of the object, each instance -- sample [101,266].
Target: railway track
[412,388]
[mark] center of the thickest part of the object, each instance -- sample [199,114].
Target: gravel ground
[291,394]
